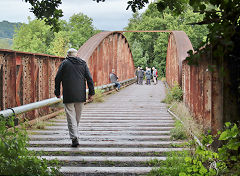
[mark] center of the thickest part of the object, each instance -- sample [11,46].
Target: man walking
[137,75]
[73,74]
[140,76]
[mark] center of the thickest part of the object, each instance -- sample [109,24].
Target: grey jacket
[140,73]
[148,74]
[113,77]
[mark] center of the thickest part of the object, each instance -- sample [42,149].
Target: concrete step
[163,119]
[104,158]
[106,143]
[110,128]
[82,138]
[105,170]
[100,133]
[127,115]
[143,150]
[117,137]
[158,121]
[124,124]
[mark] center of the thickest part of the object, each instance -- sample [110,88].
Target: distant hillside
[7,29]
[5,43]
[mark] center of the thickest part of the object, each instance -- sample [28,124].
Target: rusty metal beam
[105,51]
[48,102]
[146,31]
[178,46]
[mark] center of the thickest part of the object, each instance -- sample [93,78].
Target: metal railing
[52,101]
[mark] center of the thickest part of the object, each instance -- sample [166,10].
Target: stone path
[117,137]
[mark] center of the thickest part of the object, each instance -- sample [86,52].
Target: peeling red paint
[178,46]
[105,51]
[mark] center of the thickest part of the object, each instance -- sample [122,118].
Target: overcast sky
[109,15]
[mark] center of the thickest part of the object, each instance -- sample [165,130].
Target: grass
[174,94]
[154,163]
[172,166]
[163,79]
[179,132]
[40,125]
[189,124]
[111,163]
[98,97]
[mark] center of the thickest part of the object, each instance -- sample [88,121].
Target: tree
[60,44]
[222,42]
[5,43]
[48,11]
[139,59]
[37,37]
[80,29]
[33,37]
[155,44]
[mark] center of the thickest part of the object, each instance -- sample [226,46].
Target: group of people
[148,73]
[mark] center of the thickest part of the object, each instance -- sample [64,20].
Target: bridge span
[29,77]
[117,137]
[130,127]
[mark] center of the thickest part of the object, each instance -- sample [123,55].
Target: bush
[174,94]
[230,150]
[163,79]
[15,159]
[178,132]
[98,97]
[204,161]
[172,166]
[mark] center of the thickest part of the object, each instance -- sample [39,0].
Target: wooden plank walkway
[117,136]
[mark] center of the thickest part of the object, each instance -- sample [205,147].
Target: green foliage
[33,37]
[5,43]
[155,44]
[174,94]
[230,151]
[154,163]
[37,37]
[172,166]
[60,44]
[80,29]
[47,10]
[98,97]
[178,132]
[139,59]
[203,161]
[15,159]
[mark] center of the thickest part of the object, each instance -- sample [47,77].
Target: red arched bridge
[130,129]
[29,77]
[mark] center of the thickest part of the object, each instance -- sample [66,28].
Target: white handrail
[48,102]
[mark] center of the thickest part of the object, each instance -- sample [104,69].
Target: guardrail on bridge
[52,101]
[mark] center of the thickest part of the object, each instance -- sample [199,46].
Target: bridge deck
[117,136]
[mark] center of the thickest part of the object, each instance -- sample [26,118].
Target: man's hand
[58,96]
[90,98]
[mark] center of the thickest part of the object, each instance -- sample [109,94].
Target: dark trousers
[140,81]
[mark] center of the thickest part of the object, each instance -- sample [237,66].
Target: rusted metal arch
[178,46]
[105,42]
[106,51]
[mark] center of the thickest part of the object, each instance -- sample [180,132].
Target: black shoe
[74,142]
